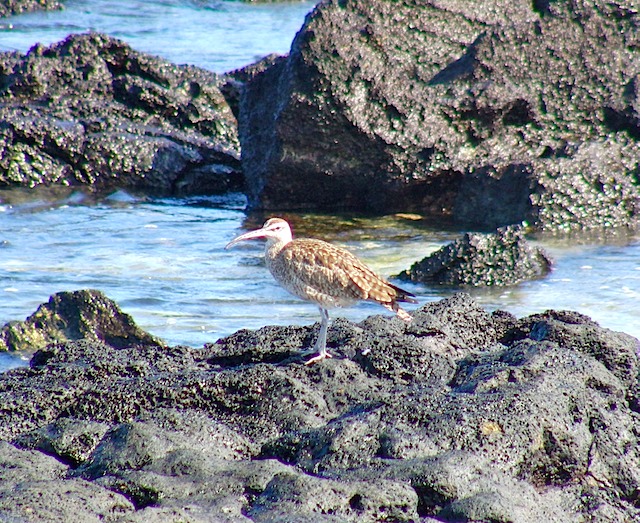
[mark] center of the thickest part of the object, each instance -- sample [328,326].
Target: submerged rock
[79,315]
[499,259]
[490,115]
[91,111]
[461,415]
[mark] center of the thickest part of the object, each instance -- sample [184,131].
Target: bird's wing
[324,269]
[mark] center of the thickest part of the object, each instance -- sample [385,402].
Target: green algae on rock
[70,316]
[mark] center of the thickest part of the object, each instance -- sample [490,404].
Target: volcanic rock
[90,111]
[32,488]
[236,80]
[78,315]
[14,7]
[499,259]
[460,415]
[488,115]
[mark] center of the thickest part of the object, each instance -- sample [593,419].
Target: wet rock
[452,111]
[14,7]
[461,415]
[77,315]
[90,111]
[499,259]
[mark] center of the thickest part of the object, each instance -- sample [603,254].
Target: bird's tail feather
[403,295]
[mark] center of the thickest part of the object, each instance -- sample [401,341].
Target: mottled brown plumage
[322,273]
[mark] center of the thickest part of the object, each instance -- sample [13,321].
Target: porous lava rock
[488,115]
[236,80]
[14,7]
[32,489]
[77,315]
[91,111]
[461,415]
[477,260]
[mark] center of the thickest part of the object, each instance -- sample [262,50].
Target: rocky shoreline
[460,415]
[485,117]
[488,116]
[97,114]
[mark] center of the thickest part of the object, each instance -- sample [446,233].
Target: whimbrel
[324,274]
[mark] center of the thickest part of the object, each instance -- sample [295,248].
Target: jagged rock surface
[490,115]
[459,416]
[90,111]
[78,315]
[476,260]
[14,7]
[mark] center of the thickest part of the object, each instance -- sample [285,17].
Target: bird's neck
[273,247]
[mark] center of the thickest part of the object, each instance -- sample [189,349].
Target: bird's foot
[322,355]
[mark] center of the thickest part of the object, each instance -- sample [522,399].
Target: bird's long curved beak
[258,233]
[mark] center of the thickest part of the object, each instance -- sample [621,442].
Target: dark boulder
[91,111]
[489,115]
[461,415]
[14,7]
[499,259]
[236,80]
[78,315]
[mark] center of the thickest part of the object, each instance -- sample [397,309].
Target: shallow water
[163,260]
[217,35]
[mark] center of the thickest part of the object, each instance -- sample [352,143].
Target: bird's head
[274,230]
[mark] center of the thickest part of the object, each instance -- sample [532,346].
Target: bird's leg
[321,342]
[402,314]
